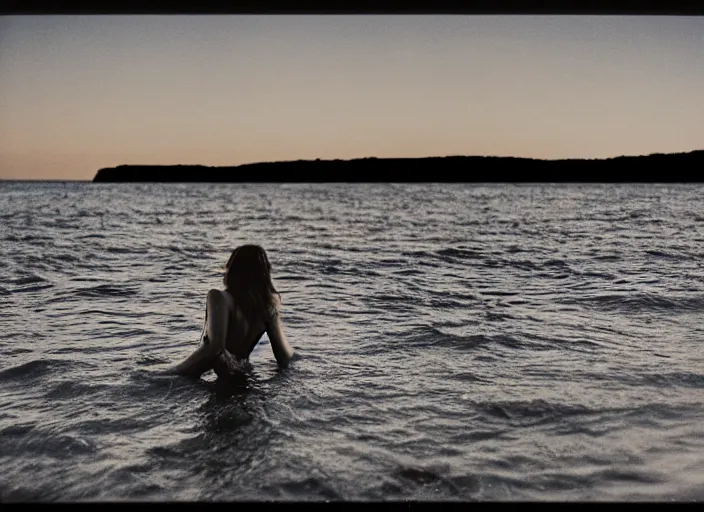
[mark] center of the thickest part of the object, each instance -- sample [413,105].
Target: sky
[78,93]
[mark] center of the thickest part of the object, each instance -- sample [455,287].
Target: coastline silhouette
[657,167]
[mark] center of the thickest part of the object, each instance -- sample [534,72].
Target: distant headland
[673,167]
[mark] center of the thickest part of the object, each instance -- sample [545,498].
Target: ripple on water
[455,342]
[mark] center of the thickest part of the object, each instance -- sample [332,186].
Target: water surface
[454,342]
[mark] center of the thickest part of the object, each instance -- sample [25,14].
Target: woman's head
[248,277]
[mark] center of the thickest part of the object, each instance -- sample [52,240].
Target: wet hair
[248,279]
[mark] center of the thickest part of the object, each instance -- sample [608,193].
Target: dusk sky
[82,92]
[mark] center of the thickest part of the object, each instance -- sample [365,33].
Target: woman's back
[244,332]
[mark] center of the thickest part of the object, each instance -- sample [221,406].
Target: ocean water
[454,342]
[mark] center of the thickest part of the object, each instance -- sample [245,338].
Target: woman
[236,318]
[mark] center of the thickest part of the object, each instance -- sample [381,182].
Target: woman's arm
[196,364]
[216,319]
[283,352]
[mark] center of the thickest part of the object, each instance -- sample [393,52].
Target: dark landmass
[662,168]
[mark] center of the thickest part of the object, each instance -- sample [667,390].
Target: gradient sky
[82,92]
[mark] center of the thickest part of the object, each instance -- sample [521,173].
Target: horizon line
[603,159]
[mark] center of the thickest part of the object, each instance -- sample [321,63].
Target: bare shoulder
[215,295]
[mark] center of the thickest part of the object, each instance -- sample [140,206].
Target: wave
[107,290]
[35,368]
[638,302]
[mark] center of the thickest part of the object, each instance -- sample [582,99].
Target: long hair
[248,279]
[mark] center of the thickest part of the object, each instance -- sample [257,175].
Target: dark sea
[453,341]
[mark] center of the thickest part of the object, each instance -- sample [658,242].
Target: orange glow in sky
[82,92]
